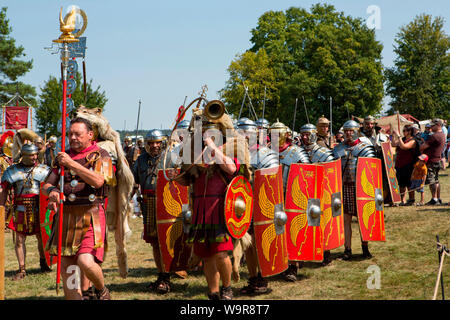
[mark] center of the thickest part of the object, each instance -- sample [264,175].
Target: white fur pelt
[239,247]
[119,205]
[21,136]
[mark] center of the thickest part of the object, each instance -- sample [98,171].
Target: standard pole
[65,60]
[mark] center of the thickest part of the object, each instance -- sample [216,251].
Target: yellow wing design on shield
[366,185]
[267,207]
[297,224]
[368,210]
[298,197]
[267,238]
[172,234]
[172,206]
[327,212]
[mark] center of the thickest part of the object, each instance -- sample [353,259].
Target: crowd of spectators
[416,149]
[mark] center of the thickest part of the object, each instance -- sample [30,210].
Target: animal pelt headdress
[235,145]
[21,137]
[119,207]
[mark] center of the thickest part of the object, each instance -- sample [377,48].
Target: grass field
[408,264]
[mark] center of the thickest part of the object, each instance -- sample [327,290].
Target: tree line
[298,57]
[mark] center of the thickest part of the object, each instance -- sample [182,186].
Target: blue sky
[161,51]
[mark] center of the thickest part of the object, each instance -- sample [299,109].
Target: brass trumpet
[214,109]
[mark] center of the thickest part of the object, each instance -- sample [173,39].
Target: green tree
[48,111]
[418,83]
[11,67]
[252,70]
[318,55]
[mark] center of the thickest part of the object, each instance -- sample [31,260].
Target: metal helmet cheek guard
[312,130]
[352,125]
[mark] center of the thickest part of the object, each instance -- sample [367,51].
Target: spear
[264,102]
[331,118]
[295,112]
[306,111]
[137,124]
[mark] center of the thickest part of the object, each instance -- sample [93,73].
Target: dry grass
[408,262]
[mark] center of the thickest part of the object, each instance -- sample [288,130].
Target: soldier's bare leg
[71,286]
[91,269]
[212,274]
[20,249]
[224,267]
[42,261]
[348,236]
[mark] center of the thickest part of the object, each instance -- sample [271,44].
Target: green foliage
[48,111]
[315,55]
[419,81]
[11,67]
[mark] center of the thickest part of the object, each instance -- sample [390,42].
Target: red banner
[16,117]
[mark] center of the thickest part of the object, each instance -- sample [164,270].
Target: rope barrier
[443,251]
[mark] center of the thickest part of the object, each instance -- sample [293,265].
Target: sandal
[20,274]
[291,273]
[88,294]
[226,293]
[213,296]
[162,284]
[103,294]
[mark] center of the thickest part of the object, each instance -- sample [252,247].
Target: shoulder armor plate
[264,158]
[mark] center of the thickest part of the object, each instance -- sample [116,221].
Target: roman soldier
[323,134]
[6,142]
[349,151]
[24,179]
[263,128]
[145,170]
[39,142]
[373,133]
[288,153]
[131,152]
[260,157]
[87,177]
[50,152]
[317,154]
[209,182]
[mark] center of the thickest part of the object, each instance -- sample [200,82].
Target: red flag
[16,117]
[181,114]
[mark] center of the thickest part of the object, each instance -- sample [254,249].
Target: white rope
[444,253]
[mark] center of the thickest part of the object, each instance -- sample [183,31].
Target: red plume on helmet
[5,136]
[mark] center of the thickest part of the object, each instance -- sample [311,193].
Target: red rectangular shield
[16,117]
[369,199]
[170,197]
[46,221]
[271,245]
[303,192]
[332,220]
[390,172]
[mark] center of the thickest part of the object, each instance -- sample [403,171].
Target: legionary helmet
[352,125]
[280,129]
[262,123]
[6,143]
[127,138]
[54,139]
[184,124]
[322,123]
[154,135]
[246,124]
[28,150]
[312,130]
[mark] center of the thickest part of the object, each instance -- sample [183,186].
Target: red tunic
[208,230]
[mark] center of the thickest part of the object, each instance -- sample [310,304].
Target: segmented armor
[350,155]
